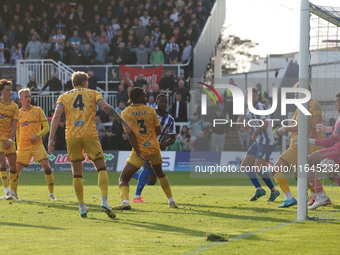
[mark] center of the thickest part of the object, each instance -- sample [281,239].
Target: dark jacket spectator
[110,141]
[124,143]
[122,94]
[185,94]
[32,84]
[92,81]
[179,109]
[76,56]
[54,84]
[167,82]
[140,81]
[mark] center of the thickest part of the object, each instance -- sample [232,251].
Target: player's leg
[156,161]
[75,151]
[313,159]
[261,162]
[3,174]
[12,175]
[133,163]
[45,165]
[146,177]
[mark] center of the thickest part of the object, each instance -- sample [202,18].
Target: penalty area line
[243,236]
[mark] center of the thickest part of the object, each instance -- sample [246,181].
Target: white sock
[125,201]
[104,199]
[320,195]
[137,196]
[171,199]
[6,190]
[51,194]
[288,196]
[82,205]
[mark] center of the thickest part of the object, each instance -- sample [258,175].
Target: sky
[273,24]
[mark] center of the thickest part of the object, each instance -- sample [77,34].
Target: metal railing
[42,70]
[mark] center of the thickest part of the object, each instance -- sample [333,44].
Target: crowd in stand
[100,32]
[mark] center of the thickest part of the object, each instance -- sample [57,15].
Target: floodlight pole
[303,119]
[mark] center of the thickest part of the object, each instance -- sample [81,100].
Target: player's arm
[134,144]
[171,140]
[44,131]
[54,125]
[260,130]
[9,142]
[109,110]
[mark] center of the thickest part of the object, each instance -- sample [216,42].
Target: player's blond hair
[296,85]
[5,82]
[78,79]
[21,91]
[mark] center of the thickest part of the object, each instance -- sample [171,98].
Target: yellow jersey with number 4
[143,119]
[80,110]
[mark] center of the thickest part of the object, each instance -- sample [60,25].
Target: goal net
[324,74]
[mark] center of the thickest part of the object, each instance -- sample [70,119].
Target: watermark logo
[239,99]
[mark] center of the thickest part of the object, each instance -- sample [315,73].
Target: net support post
[303,119]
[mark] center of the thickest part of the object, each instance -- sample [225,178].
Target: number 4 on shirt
[78,102]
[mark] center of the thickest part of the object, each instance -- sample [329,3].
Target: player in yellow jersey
[145,124]
[29,134]
[79,105]
[290,156]
[8,125]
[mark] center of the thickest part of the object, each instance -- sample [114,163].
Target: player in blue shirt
[259,153]
[167,137]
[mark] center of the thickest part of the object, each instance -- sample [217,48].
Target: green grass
[39,226]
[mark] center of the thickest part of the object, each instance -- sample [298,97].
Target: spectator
[99,124]
[110,141]
[32,84]
[176,146]
[167,82]
[88,54]
[162,42]
[121,54]
[92,81]
[173,55]
[75,39]
[183,91]
[196,125]
[179,109]
[54,84]
[186,54]
[201,143]
[218,134]
[124,143]
[60,142]
[155,91]
[145,18]
[170,46]
[16,55]
[182,135]
[140,81]
[121,106]
[76,56]
[142,54]
[68,85]
[2,55]
[59,38]
[122,94]
[140,32]
[151,102]
[33,49]
[101,48]
[15,96]
[7,48]
[263,95]
[156,57]
[187,144]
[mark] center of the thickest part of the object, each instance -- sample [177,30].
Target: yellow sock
[281,180]
[12,180]
[50,182]
[79,189]
[4,177]
[103,182]
[124,192]
[165,184]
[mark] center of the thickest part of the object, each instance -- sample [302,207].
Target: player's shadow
[233,216]
[165,228]
[20,225]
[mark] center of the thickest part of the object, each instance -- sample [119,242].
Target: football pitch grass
[219,206]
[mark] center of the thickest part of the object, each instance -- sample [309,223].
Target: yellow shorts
[290,156]
[37,151]
[137,161]
[76,146]
[11,150]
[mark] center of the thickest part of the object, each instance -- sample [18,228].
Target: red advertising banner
[152,75]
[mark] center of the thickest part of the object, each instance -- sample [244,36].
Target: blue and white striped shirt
[266,137]
[167,125]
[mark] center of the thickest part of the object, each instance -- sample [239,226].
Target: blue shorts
[261,151]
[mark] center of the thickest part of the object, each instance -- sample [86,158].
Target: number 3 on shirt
[143,130]
[78,102]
